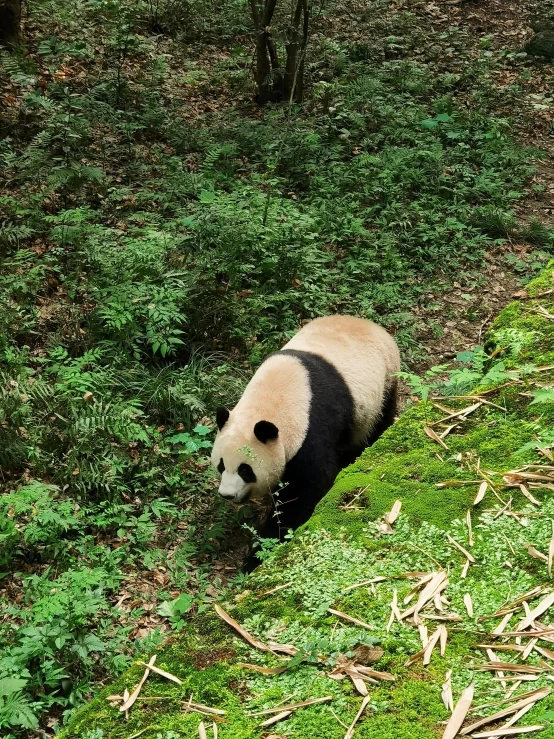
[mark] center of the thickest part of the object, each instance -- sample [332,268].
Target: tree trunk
[274,83]
[10,20]
[262,58]
[296,52]
[269,76]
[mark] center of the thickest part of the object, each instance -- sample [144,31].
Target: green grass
[154,251]
[339,547]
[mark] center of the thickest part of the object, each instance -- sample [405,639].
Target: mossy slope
[341,546]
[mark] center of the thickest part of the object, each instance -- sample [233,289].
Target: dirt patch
[458,318]
[353,500]
[207,658]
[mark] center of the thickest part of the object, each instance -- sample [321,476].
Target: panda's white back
[364,354]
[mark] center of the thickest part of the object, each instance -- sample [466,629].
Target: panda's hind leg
[386,419]
[388,413]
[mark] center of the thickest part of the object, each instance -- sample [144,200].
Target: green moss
[393,727]
[543,282]
[340,546]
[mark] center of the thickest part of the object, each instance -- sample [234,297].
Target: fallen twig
[275,719]
[200,708]
[510,667]
[543,606]
[161,672]
[275,590]
[551,551]
[456,483]
[461,549]
[262,670]
[272,647]
[503,731]
[293,706]
[530,700]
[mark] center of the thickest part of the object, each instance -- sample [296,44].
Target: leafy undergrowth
[343,545]
[159,234]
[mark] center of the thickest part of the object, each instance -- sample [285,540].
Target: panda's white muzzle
[232,487]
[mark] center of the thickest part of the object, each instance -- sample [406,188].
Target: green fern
[214,154]
[15,707]
[16,69]
[12,234]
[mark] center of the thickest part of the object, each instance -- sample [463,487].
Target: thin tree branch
[296,19]
[255,13]
[306,23]
[272,52]
[269,9]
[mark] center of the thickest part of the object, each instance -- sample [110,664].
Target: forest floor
[522,94]
[462,308]
[503,28]
[423,569]
[182,174]
[501,25]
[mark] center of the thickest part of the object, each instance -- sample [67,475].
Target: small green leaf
[9,685]
[544,395]
[464,357]
[429,123]
[165,609]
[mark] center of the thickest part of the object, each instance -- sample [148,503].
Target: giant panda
[307,412]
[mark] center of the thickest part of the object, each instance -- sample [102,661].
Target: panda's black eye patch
[246,472]
[221,466]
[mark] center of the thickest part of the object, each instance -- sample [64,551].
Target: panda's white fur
[281,383]
[281,392]
[364,354]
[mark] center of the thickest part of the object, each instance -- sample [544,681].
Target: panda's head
[249,456]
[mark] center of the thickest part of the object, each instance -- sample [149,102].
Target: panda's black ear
[221,416]
[265,431]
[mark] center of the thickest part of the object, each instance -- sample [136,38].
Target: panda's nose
[227,491]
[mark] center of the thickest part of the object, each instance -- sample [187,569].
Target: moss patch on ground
[342,545]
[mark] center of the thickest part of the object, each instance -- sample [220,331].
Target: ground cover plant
[476,515]
[159,235]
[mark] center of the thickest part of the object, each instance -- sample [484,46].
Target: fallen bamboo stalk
[350,733]
[293,706]
[351,619]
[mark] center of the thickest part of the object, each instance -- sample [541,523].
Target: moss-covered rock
[287,599]
[542,44]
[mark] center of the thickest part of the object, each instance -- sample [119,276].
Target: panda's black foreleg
[296,500]
[275,527]
[294,504]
